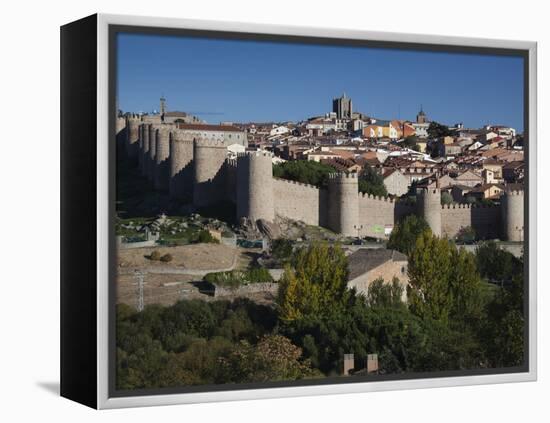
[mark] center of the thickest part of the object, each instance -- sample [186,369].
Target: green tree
[400,338]
[411,142]
[404,234]
[371,182]
[429,293]
[317,283]
[446,198]
[381,294]
[503,332]
[496,264]
[465,287]
[304,171]
[444,282]
[274,358]
[290,298]
[437,130]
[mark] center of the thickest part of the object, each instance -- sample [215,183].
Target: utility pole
[140,284]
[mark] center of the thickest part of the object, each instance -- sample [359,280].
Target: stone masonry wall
[387,272]
[376,214]
[253,288]
[484,220]
[200,167]
[297,201]
[230,172]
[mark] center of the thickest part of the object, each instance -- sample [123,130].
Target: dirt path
[186,258]
[167,283]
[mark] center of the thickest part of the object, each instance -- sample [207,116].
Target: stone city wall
[208,184]
[230,172]
[197,169]
[302,202]
[485,220]
[376,215]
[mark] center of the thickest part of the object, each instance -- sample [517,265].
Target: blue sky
[244,81]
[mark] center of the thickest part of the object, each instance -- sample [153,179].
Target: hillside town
[472,164]
[469,164]
[232,215]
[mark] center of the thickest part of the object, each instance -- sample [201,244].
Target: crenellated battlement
[166,128]
[181,136]
[514,192]
[208,143]
[431,192]
[376,197]
[261,153]
[231,162]
[342,176]
[134,117]
[456,206]
[468,206]
[192,166]
[288,181]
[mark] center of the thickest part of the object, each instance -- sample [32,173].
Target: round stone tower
[343,195]
[145,149]
[430,209]
[121,137]
[512,209]
[152,152]
[209,157]
[162,154]
[180,174]
[255,186]
[120,124]
[132,137]
[140,148]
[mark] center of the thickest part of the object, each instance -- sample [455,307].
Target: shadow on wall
[211,191]
[323,207]
[486,222]
[181,184]
[402,210]
[223,210]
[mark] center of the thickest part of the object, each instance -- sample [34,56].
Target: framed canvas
[253,211]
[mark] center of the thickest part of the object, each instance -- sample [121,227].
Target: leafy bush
[258,274]
[235,278]
[166,258]
[155,255]
[231,279]
[205,237]
[281,249]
